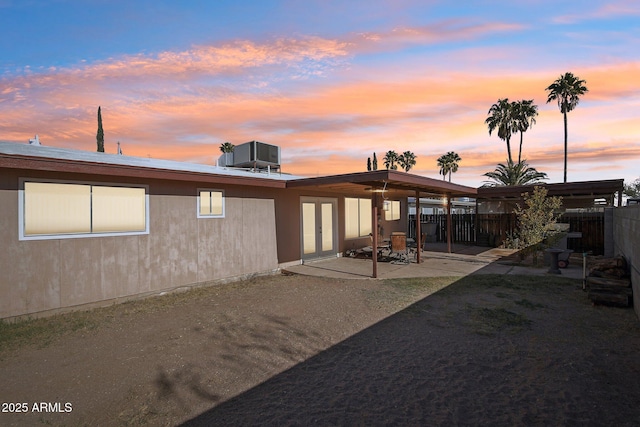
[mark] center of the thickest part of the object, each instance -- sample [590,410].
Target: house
[82,228]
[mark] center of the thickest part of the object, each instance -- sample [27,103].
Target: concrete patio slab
[436,262]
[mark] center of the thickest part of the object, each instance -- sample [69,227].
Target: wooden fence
[493,229]
[463,227]
[591,225]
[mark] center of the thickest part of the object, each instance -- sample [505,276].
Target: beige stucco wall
[261,230]
[41,276]
[626,238]
[288,222]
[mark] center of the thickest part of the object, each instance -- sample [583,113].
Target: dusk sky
[330,82]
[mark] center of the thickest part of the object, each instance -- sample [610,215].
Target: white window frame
[53,236]
[366,227]
[212,190]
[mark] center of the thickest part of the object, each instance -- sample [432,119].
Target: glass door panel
[327,226]
[308,228]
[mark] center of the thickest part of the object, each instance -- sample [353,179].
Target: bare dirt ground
[296,350]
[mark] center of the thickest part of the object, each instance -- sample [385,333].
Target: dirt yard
[295,350]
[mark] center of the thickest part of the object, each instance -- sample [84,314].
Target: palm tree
[227,148]
[448,163]
[454,158]
[514,174]
[501,118]
[443,163]
[524,114]
[390,160]
[407,160]
[566,90]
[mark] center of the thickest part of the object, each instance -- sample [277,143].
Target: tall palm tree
[407,160]
[567,90]
[514,174]
[454,159]
[444,165]
[524,114]
[501,118]
[390,159]
[227,148]
[448,164]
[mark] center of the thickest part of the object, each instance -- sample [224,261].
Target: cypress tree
[368,163]
[375,162]
[100,135]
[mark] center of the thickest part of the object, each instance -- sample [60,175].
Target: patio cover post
[374,232]
[448,195]
[418,229]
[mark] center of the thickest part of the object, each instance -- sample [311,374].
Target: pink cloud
[211,60]
[608,10]
[443,31]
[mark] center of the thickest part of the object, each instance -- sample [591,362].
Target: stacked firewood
[608,282]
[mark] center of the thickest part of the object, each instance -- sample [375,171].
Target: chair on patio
[382,245]
[399,247]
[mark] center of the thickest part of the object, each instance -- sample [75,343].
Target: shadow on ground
[489,349]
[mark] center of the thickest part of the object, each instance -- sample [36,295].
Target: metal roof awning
[584,191]
[400,183]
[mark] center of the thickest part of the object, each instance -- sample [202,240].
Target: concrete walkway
[436,262]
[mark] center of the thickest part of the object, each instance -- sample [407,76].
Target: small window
[211,204]
[392,210]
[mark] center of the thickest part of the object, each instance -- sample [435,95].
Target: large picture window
[357,217]
[57,210]
[210,204]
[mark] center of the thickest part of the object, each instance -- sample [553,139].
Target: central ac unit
[256,154]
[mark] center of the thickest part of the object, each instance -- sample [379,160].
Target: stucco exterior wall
[288,220]
[40,276]
[626,237]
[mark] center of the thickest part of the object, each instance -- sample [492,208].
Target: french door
[318,227]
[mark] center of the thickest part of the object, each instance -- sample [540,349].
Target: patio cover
[574,194]
[398,183]
[395,183]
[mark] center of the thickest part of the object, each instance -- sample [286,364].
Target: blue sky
[329,81]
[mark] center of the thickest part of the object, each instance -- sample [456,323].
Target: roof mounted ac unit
[256,154]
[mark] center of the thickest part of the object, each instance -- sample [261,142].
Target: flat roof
[581,194]
[45,158]
[401,184]
[580,189]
